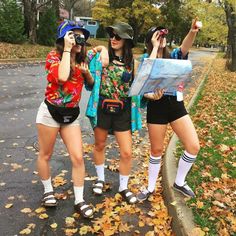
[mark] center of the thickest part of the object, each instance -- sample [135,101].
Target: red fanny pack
[110,106]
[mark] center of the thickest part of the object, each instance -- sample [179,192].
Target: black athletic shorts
[116,122]
[165,110]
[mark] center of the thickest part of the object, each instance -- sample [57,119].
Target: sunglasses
[112,35]
[71,23]
[75,23]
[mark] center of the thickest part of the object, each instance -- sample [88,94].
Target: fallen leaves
[9,205]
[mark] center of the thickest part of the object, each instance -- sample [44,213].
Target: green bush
[101,32]
[11,22]
[46,34]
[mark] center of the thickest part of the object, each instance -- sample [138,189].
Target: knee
[126,155]
[44,156]
[77,161]
[156,152]
[193,148]
[99,146]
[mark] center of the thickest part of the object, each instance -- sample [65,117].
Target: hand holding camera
[69,40]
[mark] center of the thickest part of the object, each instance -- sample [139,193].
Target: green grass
[212,161]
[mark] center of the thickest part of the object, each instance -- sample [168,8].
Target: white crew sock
[100,172]
[79,192]
[47,185]
[185,163]
[153,172]
[123,182]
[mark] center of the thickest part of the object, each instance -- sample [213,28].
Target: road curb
[182,217]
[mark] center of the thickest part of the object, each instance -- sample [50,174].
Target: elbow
[62,79]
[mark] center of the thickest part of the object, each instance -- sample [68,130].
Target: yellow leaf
[199,204]
[26,210]
[40,210]
[141,224]
[69,221]
[69,232]
[84,230]
[25,231]
[173,203]
[53,226]
[43,216]
[9,205]
[197,232]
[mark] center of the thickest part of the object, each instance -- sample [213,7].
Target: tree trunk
[231,22]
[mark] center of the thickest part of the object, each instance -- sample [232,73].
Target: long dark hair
[127,53]
[80,57]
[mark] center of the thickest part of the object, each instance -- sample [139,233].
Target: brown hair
[166,53]
[127,52]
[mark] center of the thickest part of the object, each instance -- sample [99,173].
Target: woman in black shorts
[167,107]
[114,110]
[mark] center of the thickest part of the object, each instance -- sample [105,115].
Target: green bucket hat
[124,30]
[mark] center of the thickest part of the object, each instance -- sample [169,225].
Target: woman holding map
[166,107]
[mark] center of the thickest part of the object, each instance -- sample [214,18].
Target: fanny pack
[63,115]
[110,106]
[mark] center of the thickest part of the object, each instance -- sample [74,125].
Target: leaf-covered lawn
[213,176]
[26,50]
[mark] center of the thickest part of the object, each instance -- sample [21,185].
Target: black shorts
[165,110]
[116,122]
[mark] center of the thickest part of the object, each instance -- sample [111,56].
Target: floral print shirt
[112,83]
[63,94]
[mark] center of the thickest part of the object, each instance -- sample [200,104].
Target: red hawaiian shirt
[63,94]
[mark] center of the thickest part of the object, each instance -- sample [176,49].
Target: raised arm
[189,38]
[64,67]
[103,54]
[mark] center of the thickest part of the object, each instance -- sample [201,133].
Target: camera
[163,32]
[79,39]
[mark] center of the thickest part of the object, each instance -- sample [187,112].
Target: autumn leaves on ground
[212,177]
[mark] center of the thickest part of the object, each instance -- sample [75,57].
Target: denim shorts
[165,110]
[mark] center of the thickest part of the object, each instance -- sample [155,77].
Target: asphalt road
[22,90]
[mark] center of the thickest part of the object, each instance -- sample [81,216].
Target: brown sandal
[47,198]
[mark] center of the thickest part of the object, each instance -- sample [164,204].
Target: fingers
[158,94]
[69,39]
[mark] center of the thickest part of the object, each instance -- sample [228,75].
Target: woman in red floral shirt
[66,73]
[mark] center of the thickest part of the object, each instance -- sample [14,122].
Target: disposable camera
[163,32]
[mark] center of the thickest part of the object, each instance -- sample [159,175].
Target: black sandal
[47,198]
[98,187]
[82,208]
[127,195]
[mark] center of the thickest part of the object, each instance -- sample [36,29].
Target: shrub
[11,22]
[46,33]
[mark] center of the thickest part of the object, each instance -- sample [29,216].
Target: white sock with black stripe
[153,171]
[185,163]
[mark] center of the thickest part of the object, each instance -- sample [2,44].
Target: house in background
[90,24]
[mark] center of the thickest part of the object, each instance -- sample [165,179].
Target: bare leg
[47,138]
[71,136]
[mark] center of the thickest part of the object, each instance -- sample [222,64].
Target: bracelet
[66,51]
